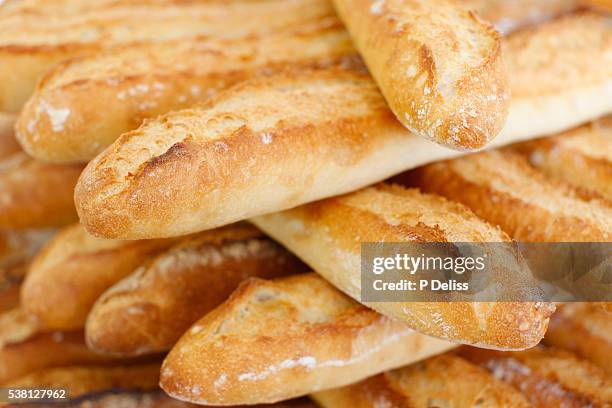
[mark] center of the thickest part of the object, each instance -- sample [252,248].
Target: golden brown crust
[552,72]
[582,157]
[502,188]
[8,143]
[604,5]
[35,194]
[46,350]
[438,65]
[231,142]
[74,269]
[143,81]
[548,377]
[82,380]
[550,91]
[509,16]
[584,329]
[327,235]
[149,310]
[442,381]
[170,176]
[274,340]
[54,35]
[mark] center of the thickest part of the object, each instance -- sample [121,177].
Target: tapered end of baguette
[439,66]
[274,340]
[394,214]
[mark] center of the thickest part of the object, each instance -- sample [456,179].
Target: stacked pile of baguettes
[266,106]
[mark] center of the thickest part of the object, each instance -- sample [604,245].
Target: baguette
[582,157]
[438,65]
[33,42]
[34,194]
[74,269]
[442,381]
[149,310]
[270,144]
[46,350]
[510,16]
[585,329]
[548,377]
[327,235]
[274,340]
[8,143]
[502,188]
[83,380]
[144,81]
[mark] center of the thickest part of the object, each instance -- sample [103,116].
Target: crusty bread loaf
[143,81]
[511,15]
[8,143]
[548,65]
[585,329]
[34,194]
[149,310]
[582,156]
[438,65]
[74,269]
[270,144]
[327,235]
[442,381]
[33,42]
[83,380]
[46,350]
[274,340]
[548,377]
[502,188]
